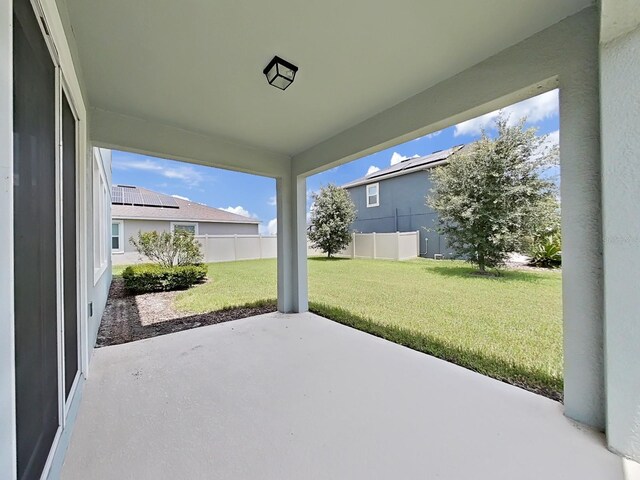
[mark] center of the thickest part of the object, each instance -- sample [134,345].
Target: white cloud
[372,169]
[535,109]
[186,173]
[397,158]
[553,138]
[552,141]
[272,227]
[429,135]
[181,197]
[273,201]
[240,210]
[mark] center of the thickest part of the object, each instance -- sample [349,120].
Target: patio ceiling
[197,65]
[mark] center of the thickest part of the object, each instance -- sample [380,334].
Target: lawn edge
[529,379]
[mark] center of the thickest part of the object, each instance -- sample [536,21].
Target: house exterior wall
[402,208]
[212,228]
[98,290]
[132,227]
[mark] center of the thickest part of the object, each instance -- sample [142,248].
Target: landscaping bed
[129,317]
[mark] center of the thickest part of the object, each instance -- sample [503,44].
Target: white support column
[7,352]
[292,244]
[582,282]
[620,91]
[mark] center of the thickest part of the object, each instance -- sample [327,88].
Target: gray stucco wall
[402,209]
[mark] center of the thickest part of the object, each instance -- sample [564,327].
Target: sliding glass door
[35,276]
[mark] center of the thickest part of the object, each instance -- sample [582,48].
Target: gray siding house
[135,209]
[394,200]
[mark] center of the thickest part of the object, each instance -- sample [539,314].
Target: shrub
[547,252]
[156,278]
[169,248]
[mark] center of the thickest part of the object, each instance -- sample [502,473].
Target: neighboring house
[394,200]
[136,209]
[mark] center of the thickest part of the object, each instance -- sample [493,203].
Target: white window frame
[101,218]
[120,236]
[377,203]
[185,224]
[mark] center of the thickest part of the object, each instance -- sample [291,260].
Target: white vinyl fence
[229,248]
[386,246]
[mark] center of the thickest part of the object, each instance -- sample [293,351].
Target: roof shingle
[186,211]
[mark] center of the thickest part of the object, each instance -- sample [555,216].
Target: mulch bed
[129,317]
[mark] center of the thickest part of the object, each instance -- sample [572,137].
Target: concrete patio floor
[300,397]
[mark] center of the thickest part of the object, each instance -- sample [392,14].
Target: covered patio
[297,396]
[292,395]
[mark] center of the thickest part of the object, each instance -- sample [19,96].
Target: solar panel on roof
[414,162]
[168,201]
[126,195]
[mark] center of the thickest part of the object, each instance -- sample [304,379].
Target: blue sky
[254,196]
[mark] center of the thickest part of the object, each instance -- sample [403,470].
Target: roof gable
[407,166]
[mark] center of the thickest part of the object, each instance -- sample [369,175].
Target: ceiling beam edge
[122,132]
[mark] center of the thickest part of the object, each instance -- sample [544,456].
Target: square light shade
[280,73]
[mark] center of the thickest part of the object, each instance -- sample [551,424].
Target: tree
[491,196]
[332,214]
[169,248]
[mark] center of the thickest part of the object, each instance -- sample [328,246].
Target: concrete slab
[300,397]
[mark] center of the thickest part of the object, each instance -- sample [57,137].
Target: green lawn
[116,270]
[508,327]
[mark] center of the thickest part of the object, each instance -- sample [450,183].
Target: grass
[116,270]
[232,284]
[507,327]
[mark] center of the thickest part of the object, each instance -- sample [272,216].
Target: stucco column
[582,283]
[620,92]
[292,244]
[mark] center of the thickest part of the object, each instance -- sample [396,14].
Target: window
[116,237]
[373,195]
[101,203]
[187,227]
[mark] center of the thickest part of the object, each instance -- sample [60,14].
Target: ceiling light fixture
[280,73]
